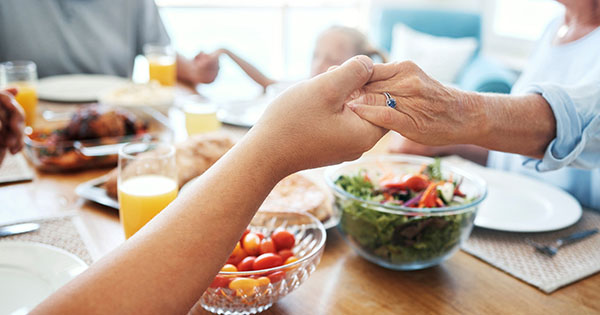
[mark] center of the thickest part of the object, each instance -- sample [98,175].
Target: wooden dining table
[343,282]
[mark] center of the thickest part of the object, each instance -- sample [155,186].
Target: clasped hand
[340,114]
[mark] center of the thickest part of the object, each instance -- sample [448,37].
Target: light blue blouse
[568,77]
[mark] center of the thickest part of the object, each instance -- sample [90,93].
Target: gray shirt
[79,36]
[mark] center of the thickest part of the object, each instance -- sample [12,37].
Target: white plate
[516,203]
[139,95]
[77,88]
[242,113]
[30,272]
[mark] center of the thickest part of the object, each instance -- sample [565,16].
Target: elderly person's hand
[310,123]
[426,111]
[430,113]
[11,124]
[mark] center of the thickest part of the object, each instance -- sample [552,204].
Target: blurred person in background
[91,36]
[11,124]
[559,91]
[333,47]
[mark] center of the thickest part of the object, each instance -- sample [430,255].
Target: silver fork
[551,250]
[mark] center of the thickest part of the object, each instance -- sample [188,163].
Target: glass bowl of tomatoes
[275,255]
[405,212]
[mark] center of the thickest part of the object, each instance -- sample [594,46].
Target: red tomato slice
[416,182]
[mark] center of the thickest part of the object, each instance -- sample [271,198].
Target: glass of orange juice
[200,114]
[147,182]
[23,76]
[162,63]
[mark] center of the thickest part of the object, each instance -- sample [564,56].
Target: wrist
[478,122]
[270,156]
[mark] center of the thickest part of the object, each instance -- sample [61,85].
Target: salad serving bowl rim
[332,173]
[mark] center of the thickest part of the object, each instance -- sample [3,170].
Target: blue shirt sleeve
[577,113]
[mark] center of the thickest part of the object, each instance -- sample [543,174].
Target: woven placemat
[14,168]
[60,232]
[509,252]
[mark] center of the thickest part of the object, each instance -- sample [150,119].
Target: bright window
[276,36]
[524,19]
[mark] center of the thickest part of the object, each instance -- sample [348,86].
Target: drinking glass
[200,115]
[162,63]
[147,182]
[23,76]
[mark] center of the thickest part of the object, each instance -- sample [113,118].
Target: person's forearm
[250,70]
[518,124]
[167,265]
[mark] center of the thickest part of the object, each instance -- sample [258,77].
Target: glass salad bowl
[257,295]
[387,232]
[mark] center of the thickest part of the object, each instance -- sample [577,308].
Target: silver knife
[20,228]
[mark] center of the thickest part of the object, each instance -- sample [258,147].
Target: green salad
[404,237]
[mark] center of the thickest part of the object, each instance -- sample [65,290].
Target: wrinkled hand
[11,124]
[204,68]
[309,125]
[426,112]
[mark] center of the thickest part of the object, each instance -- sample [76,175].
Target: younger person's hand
[309,125]
[205,68]
[11,124]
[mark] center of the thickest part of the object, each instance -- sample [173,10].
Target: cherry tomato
[267,246]
[243,286]
[246,263]
[263,281]
[285,254]
[290,260]
[242,238]
[276,276]
[251,244]
[237,255]
[283,239]
[229,268]
[268,260]
[220,282]
[260,235]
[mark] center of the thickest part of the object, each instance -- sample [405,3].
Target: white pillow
[440,57]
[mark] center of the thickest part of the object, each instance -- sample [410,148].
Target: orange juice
[143,197]
[163,69]
[27,98]
[200,118]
